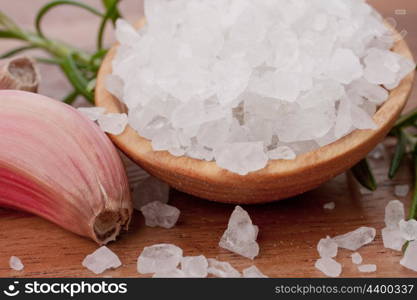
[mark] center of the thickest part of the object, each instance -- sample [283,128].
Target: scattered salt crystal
[240,235]
[175,273]
[356,258]
[93,113]
[410,257]
[401,190]
[194,266]
[329,267]
[394,213]
[355,239]
[392,238]
[222,269]
[367,268]
[148,190]
[408,229]
[327,247]
[301,72]
[160,258]
[283,152]
[329,206]
[15,263]
[113,123]
[253,272]
[378,152]
[101,260]
[160,214]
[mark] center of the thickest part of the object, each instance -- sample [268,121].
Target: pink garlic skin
[56,163]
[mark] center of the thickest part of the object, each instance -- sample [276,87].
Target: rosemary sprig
[80,67]
[364,175]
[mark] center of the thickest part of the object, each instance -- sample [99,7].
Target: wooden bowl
[280,179]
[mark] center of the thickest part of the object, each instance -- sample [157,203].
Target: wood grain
[289,229]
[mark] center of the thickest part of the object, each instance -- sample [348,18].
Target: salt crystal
[401,190]
[300,72]
[392,238]
[329,206]
[93,113]
[367,268]
[283,152]
[101,260]
[160,258]
[327,248]
[394,213]
[409,259]
[113,123]
[355,239]
[160,214]
[408,229]
[175,273]
[222,269]
[329,267]
[148,190]
[15,263]
[253,272]
[194,266]
[240,235]
[356,258]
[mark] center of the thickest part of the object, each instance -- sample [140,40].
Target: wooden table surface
[289,229]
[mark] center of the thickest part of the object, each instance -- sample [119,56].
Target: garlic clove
[56,163]
[20,73]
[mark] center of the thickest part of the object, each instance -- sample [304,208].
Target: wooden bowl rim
[143,154]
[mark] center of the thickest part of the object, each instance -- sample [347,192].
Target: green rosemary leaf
[399,154]
[111,11]
[116,13]
[76,77]
[70,98]
[413,208]
[364,176]
[406,120]
[16,51]
[48,61]
[47,7]
[10,35]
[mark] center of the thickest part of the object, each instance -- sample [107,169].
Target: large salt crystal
[194,266]
[329,206]
[253,272]
[327,248]
[160,258]
[222,269]
[355,239]
[113,123]
[409,259]
[160,214]
[329,267]
[394,213]
[175,273]
[299,72]
[392,238]
[367,268]
[15,263]
[101,260]
[356,258]
[240,235]
[148,190]
[408,229]
[401,190]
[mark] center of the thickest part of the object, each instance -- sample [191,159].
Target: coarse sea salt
[149,189]
[160,214]
[391,234]
[355,239]
[409,259]
[327,247]
[356,258]
[195,266]
[101,260]
[240,235]
[329,267]
[367,268]
[329,206]
[253,272]
[222,269]
[242,82]
[408,229]
[15,263]
[160,258]
[401,190]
